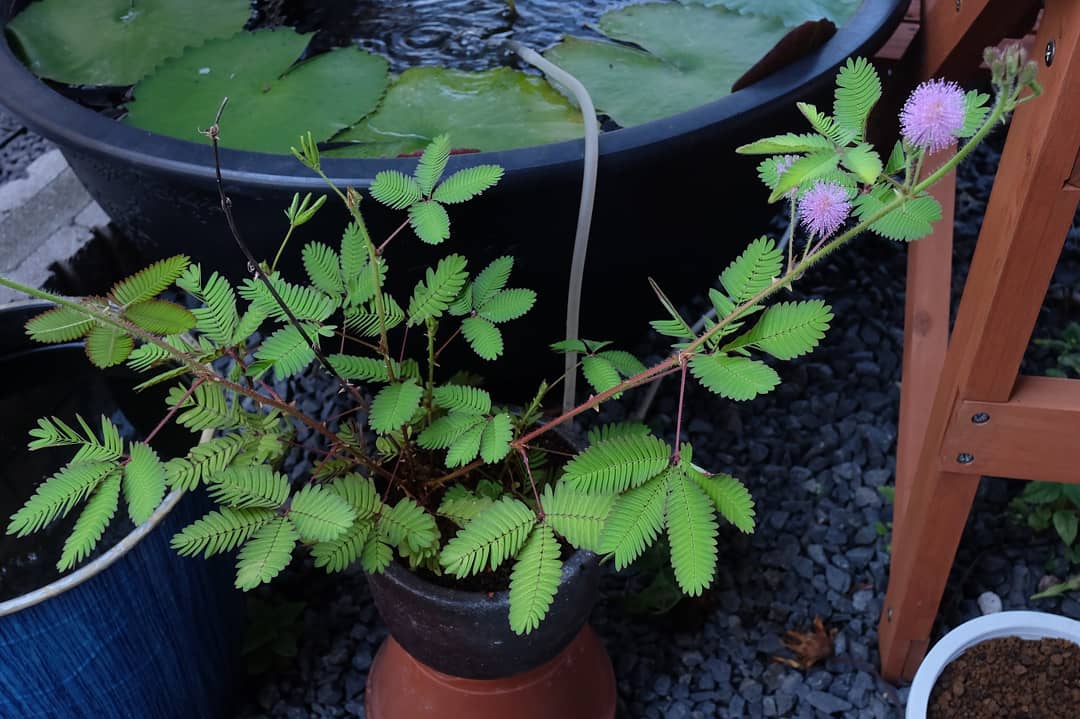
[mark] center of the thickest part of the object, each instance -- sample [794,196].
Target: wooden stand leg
[1030,210]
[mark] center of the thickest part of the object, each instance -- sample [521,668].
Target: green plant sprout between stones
[436,452]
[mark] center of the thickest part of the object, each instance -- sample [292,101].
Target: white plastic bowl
[1026,625]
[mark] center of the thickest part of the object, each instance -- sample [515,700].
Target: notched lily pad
[117,42]
[685,56]
[272,101]
[495,109]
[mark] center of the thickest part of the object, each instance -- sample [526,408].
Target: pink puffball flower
[824,208]
[933,115]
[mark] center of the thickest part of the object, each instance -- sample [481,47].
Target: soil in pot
[1010,677]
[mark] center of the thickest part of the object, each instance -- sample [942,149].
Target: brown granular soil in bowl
[1010,678]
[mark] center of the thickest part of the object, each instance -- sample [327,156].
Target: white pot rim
[1023,624]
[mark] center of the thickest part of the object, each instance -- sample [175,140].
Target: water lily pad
[492,110]
[117,42]
[790,12]
[271,100]
[689,55]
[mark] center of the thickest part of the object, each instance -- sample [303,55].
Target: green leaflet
[617,464]
[150,281]
[495,440]
[359,492]
[395,189]
[578,518]
[288,351]
[60,324]
[430,222]
[460,505]
[306,303]
[342,552]
[247,487]
[160,317]
[493,536]
[466,184]
[375,556]
[267,552]
[220,531]
[737,378]
[91,524]
[485,338]
[857,91]
[218,318]
[440,286]
[409,528]
[394,406]
[491,280]
[461,398]
[323,267]
[911,221]
[58,495]
[535,580]
[691,529]
[205,408]
[635,521]
[144,482]
[507,305]
[788,329]
[753,270]
[108,346]
[320,514]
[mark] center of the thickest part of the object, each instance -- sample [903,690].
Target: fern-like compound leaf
[160,317]
[144,482]
[485,338]
[975,112]
[599,373]
[354,252]
[150,281]
[287,351]
[461,506]
[466,184]
[676,326]
[364,321]
[91,523]
[625,363]
[267,552]
[494,535]
[430,222]
[395,189]
[864,161]
[368,369]
[359,492]
[617,464]
[535,580]
[466,447]
[911,221]
[108,346]
[60,324]
[460,398]
[57,495]
[394,406]
[220,531]
[320,515]
[433,163]
[408,527]
[604,432]
[495,441]
[439,288]
[246,487]
[376,555]
[578,518]
[803,170]
[218,319]
[729,496]
[691,528]
[202,462]
[305,303]
[507,305]
[753,270]
[444,431]
[342,552]
[110,446]
[323,267]
[788,329]
[491,280]
[858,89]
[839,134]
[897,159]
[635,521]
[205,408]
[789,143]
[737,378]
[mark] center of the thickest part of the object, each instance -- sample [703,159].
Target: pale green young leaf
[367,369]
[465,447]
[430,222]
[460,505]
[438,289]
[320,515]
[433,163]
[911,221]
[466,184]
[444,431]
[485,338]
[323,267]
[788,329]
[160,317]
[753,270]
[729,496]
[247,487]
[359,492]
[737,378]
[287,351]
[395,189]
[219,531]
[863,161]
[305,303]
[535,580]
[495,441]
[617,464]
[789,143]
[507,305]
[635,521]
[57,495]
[825,125]
[110,446]
[267,552]
[218,319]
[691,528]
[364,321]
[205,408]
[975,112]
[858,89]
[340,553]
[408,527]
[804,170]
[394,406]
[578,518]
[461,398]
[491,280]
[494,535]
[150,281]
[897,159]
[91,523]
[144,482]
[599,373]
[354,252]
[376,555]
[60,324]
[108,346]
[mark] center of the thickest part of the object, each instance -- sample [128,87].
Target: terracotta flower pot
[451,653]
